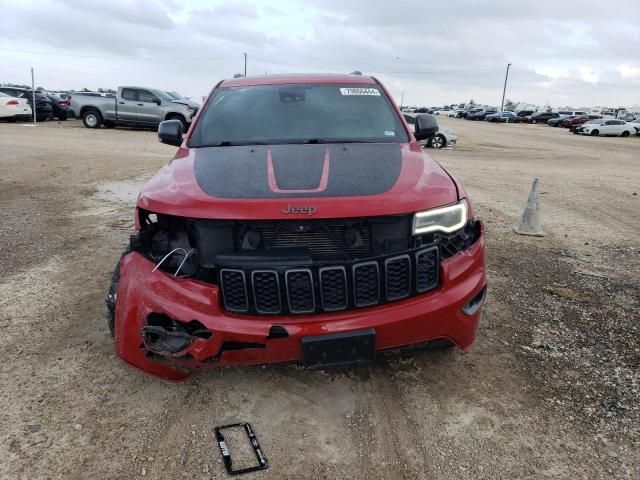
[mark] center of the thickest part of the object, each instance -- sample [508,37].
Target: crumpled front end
[172,325]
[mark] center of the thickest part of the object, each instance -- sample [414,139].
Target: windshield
[175,95]
[163,95]
[277,114]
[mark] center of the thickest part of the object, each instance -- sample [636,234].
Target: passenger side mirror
[426,126]
[157,101]
[170,132]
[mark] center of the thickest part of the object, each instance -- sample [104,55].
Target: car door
[149,110]
[128,105]
[608,128]
[617,127]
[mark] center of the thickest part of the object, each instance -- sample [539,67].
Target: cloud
[628,71]
[435,52]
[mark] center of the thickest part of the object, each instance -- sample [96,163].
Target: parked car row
[577,121]
[48,105]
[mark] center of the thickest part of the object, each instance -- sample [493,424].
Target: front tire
[438,141]
[595,133]
[92,118]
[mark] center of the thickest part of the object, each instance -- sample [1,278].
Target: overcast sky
[563,52]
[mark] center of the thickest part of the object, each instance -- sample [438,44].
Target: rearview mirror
[426,126]
[170,132]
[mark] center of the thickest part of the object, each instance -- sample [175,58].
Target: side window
[129,94]
[145,96]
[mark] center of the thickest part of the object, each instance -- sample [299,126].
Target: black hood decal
[286,171]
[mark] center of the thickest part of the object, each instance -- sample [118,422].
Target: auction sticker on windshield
[360,91]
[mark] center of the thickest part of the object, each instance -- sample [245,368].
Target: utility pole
[33,91]
[402,100]
[245,64]
[504,90]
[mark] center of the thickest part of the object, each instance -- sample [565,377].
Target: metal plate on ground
[339,348]
[226,453]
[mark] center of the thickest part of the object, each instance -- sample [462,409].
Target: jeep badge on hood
[308,209]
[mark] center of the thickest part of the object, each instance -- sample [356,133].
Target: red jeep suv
[299,220]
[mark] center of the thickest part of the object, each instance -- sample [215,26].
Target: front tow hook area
[167,337]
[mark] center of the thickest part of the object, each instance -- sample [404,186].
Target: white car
[444,138]
[609,127]
[12,109]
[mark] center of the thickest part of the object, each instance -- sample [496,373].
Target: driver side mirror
[170,132]
[426,126]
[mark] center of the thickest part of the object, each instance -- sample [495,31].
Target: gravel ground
[550,390]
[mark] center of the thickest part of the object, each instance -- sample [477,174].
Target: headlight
[444,219]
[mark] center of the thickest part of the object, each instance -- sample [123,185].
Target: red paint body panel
[433,315]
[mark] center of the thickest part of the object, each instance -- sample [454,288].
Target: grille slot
[325,242]
[398,277]
[234,290]
[266,291]
[366,279]
[300,293]
[427,269]
[333,288]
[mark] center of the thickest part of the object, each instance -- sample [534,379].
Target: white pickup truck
[132,106]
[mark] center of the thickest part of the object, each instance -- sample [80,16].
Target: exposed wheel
[175,116]
[112,296]
[625,134]
[534,121]
[595,133]
[92,118]
[438,141]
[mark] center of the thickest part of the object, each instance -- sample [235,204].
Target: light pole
[245,64]
[504,90]
[33,91]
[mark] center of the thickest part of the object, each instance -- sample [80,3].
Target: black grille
[366,281]
[333,288]
[324,240]
[235,290]
[266,291]
[300,291]
[398,279]
[329,288]
[427,262]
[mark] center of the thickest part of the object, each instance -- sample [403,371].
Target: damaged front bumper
[170,326]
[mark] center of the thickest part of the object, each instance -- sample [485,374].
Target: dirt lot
[550,389]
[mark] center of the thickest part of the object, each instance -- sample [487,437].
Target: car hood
[188,103]
[261,182]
